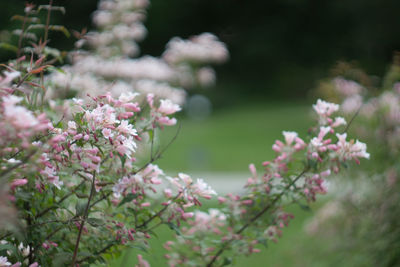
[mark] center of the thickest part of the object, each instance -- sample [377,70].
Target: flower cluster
[365,208]
[257,215]
[109,68]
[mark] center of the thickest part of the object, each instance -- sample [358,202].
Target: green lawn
[231,139]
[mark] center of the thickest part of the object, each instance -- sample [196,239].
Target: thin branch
[158,213]
[85,216]
[258,215]
[60,201]
[23,161]
[103,197]
[97,253]
[152,144]
[352,119]
[46,238]
[158,155]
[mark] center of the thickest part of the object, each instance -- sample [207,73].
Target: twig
[85,216]
[59,202]
[258,215]
[158,213]
[23,161]
[352,119]
[158,155]
[97,253]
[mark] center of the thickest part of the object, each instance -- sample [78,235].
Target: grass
[231,139]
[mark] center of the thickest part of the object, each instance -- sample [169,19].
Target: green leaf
[142,248]
[85,254]
[80,207]
[127,199]
[23,195]
[95,222]
[52,8]
[60,28]
[52,69]
[62,258]
[304,206]
[82,195]
[35,26]
[262,241]
[27,19]
[151,134]
[227,261]
[175,228]
[8,247]
[123,159]
[9,47]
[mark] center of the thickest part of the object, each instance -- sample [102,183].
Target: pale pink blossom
[126,128]
[107,133]
[347,87]
[352,104]
[18,182]
[167,107]
[4,262]
[338,122]
[142,262]
[324,110]
[350,150]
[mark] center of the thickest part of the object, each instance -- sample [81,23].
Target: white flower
[325,108]
[127,97]
[107,133]
[289,137]
[24,250]
[339,121]
[13,161]
[350,150]
[18,116]
[11,100]
[126,128]
[4,261]
[120,186]
[202,189]
[127,145]
[71,125]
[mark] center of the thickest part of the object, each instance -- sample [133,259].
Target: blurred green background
[279,49]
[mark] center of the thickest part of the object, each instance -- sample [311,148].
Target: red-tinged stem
[46,32]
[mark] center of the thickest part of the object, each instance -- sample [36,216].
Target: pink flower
[324,110]
[167,107]
[18,182]
[166,121]
[107,133]
[142,262]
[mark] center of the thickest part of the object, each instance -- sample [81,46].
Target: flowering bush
[363,218]
[75,187]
